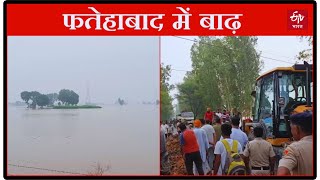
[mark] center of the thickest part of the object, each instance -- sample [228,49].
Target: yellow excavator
[278,94]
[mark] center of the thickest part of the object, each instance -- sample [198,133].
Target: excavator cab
[278,94]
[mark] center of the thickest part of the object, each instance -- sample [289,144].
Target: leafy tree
[42,100]
[64,95]
[306,54]
[189,97]
[74,98]
[33,96]
[26,96]
[121,101]
[67,96]
[53,97]
[165,77]
[166,100]
[223,74]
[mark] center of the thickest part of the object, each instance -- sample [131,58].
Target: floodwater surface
[60,141]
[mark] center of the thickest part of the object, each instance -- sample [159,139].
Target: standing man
[203,146]
[218,113]
[208,116]
[259,154]
[217,129]
[164,160]
[211,139]
[164,126]
[163,148]
[190,150]
[170,129]
[221,152]
[298,156]
[237,134]
[226,116]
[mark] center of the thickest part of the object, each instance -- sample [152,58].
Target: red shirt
[208,116]
[188,141]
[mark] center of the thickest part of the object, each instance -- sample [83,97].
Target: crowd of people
[215,145]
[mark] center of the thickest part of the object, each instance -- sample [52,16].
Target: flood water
[125,138]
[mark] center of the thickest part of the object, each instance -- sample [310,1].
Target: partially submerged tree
[42,100]
[33,96]
[26,96]
[121,101]
[53,97]
[67,97]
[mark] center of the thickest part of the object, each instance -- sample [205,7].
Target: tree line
[224,70]
[34,98]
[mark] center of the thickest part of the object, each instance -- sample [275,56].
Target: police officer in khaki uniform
[259,154]
[298,158]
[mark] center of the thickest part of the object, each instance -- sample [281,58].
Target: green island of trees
[66,99]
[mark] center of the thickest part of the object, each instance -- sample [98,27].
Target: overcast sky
[112,67]
[176,52]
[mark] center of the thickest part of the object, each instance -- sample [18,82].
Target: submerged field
[76,107]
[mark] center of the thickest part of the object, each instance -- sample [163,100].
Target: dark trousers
[196,158]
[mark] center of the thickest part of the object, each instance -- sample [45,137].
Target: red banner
[159,19]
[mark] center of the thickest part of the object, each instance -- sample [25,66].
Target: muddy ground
[175,156]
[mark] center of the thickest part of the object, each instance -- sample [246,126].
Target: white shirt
[219,114]
[209,131]
[162,141]
[170,129]
[202,142]
[165,128]
[175,131]
[240,136]
[220,149]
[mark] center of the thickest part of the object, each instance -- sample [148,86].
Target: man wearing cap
[298,157]
[260,154]
[190,149]
[203,146]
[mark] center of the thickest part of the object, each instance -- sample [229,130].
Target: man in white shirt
[203,147]
[170,129]
[218,113]
[164,166]
[210,135]
[221,152]
[164,126]
[237,133]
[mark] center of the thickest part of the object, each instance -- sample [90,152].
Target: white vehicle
[186,117]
